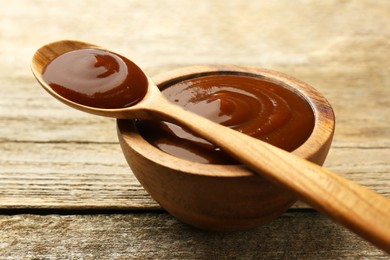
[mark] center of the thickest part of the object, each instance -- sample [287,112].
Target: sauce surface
[96,78]
[250,105]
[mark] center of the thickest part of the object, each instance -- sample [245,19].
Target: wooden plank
[27,109]
[295,235]
[68,176]
[52,157]
[348,75]
[360,96]
[66,159]
[96,175]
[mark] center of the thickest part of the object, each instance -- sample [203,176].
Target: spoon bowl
[359,209]
[47,53]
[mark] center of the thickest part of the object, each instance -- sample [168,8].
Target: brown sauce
[96,78]
[250,105]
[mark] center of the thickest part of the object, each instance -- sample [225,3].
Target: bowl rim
[320,136]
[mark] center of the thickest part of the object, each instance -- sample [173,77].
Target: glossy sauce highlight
[250,105]
[96,78]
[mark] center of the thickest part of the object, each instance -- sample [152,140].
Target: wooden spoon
[357,208]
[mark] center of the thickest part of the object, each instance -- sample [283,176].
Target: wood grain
[54,157]
[360,152]
[45,175]
[295,235]
[32,169]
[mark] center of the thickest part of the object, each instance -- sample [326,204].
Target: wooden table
[65,188]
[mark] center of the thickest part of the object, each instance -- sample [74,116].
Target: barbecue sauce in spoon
[96,78]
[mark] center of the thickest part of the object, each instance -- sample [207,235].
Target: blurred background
[171,33]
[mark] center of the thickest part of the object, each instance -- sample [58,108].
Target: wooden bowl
[221,197]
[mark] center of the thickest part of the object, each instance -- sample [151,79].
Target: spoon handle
[357,208]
